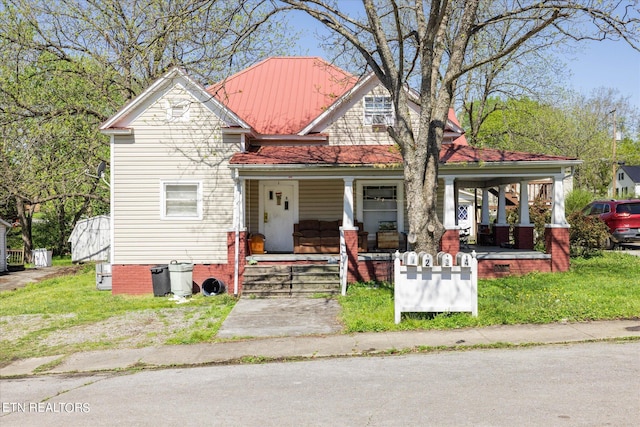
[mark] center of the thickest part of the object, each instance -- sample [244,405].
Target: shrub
[587,234]
[539,215]
[577,200]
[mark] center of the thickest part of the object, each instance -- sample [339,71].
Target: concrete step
[291,280]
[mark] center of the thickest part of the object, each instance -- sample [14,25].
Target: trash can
[181,276]
[42,257]
[103,276]
[161,280]
[212,286]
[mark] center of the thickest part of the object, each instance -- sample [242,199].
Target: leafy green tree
[427,45]
[579,127]
[68,65]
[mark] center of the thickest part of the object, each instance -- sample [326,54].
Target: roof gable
[281,95]
[633,172]
[174,77]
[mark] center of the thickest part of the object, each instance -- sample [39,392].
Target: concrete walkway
[318,346]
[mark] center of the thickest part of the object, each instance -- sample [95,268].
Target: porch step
[290,280]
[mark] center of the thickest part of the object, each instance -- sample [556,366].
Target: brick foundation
[523,236]
[351,243]
[495,268]
[450,242]
[557,245]
[501,233]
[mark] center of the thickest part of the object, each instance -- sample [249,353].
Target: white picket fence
[422,286]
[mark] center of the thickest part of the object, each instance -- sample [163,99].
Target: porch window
[379,206]
[181,200]
[378,110]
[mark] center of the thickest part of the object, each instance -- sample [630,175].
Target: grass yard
[599,288]
[67,314]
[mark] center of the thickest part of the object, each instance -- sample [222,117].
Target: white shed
[91,239]
[4,229]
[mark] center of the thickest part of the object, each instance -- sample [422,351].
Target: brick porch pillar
[351,243]
[557,245]
[450,242]
[523,236]
[231,259]
[501,233]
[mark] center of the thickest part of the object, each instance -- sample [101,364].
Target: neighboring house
[91,239]
[195,171]
[627,181]
[4,229]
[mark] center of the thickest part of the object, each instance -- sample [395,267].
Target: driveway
[10,281]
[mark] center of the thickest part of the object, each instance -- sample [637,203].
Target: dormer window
[178,110]
[378,111]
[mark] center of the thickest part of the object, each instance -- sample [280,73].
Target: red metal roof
[281,95]
[375,154]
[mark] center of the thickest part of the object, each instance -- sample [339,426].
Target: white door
[278,215]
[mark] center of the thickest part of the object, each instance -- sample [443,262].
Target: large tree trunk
[421,182]
[25,217]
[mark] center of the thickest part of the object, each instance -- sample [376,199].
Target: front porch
[275,190]
[287,275]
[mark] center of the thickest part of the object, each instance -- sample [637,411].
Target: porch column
[484,232]
[485,207]
[523,232]
[348,237]
[239,239]
[450,241]
[502,227]
[347,204]
[557,233]
[557,212]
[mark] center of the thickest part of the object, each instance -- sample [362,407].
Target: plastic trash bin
[161,280]
[103,276]
[181,276]
[212,286]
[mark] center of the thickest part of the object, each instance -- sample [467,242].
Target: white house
[196,170]
[627,181]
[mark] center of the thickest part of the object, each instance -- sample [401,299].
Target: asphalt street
[589,384]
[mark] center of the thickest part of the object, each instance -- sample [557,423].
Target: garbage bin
[181,276]
[103,276]
[212,286]
[161,280]
[42,257]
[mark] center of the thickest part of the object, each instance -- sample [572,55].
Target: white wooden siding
[320,199]
[162,150]
[350,128]
[252,203]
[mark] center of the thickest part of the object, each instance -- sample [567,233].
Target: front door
[278,215]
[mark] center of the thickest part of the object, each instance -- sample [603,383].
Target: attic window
[378,110]
[178,110]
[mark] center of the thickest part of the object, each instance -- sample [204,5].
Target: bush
[577,200]
[587,234]
[539,215]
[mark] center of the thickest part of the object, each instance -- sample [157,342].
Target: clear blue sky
[595,64]
[608,64]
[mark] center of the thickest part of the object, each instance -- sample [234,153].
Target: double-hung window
[181,200]
[378,110]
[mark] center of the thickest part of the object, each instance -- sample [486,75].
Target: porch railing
[15,257]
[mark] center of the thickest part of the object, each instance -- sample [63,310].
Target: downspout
[236,225]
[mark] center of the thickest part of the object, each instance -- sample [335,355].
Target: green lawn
[599,288]
[603,287]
